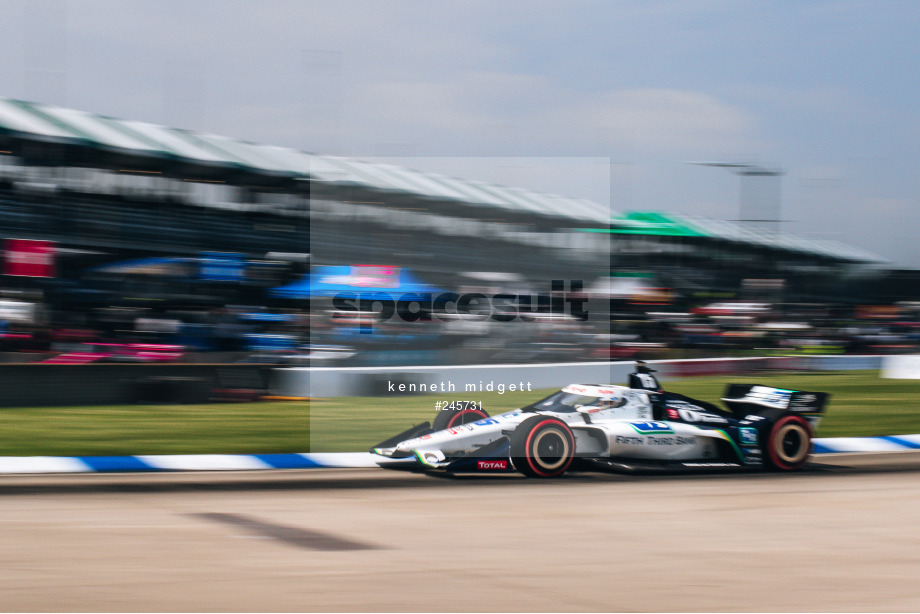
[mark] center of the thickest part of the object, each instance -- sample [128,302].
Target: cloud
[662,120]
[475,110]
[474,79]
[647,84]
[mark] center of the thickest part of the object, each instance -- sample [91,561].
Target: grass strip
[862,404]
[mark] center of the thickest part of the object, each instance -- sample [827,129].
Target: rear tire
[542,447]
[788,445]
[447,419]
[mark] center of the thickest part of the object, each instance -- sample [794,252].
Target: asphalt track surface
[843,535]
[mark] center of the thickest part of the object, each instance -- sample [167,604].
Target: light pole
[759,202]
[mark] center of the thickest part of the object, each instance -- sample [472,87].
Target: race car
[611,427]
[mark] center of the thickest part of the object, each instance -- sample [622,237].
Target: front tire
[542,447]
[788,444]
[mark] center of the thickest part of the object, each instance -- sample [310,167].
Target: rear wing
[754,398]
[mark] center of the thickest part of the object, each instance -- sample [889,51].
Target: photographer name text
[449,386]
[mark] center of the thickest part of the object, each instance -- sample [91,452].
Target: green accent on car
[732,443]
[421,459]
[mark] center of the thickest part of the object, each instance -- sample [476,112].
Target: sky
[603,100]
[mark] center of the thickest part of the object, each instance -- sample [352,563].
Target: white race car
[607,426]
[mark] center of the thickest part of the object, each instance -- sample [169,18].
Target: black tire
[788,444]
[449,418]
[542,447]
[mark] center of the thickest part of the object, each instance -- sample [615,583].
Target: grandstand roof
[30,120]
[673,224]
[47,123]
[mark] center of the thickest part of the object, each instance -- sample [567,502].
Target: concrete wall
[41,385]
[380,381]
[32,385]
[906,366]
[375,381]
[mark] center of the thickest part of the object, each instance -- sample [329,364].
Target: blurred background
[134,242]
[223,220]
[229,222]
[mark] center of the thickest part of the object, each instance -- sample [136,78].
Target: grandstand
[121,188]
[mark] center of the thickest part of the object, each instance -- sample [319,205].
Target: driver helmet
[608,402]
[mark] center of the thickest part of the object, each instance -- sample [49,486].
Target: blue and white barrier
[190,462]
[890,443]
[331,460]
